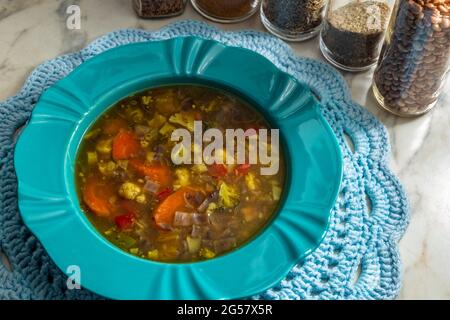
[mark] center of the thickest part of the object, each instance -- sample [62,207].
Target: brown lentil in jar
[226,10]
[159,8]
[415,57]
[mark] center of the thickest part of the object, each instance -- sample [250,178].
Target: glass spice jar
[415,57]
[352,34]
[226,11]
[293,20]
[159,8]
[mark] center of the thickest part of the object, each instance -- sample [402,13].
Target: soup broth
[143,203]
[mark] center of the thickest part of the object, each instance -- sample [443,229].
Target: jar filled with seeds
[293,20]
[415,57]
[353,31]
[159,8]
[226,11]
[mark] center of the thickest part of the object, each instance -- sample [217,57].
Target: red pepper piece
[217,170]
[124,221]
[242,169]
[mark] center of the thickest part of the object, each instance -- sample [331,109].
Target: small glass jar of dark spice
[293,20]
[159,8]
[226,11]
[415,57]
[353,33]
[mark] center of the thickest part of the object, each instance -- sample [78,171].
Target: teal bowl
[46,151]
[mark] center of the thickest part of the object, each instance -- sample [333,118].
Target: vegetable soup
[138,199]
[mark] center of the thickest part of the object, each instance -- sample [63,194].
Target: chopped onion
[199,218]
[182,219]
[151,186]
[186,219]
[165,226]
[204,205]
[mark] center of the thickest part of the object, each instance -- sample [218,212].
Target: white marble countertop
[32,31]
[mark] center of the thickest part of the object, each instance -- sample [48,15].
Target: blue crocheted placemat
[359,257]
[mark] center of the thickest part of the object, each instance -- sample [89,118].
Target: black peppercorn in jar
[293,20]
[159,8]
[226,11]
[415,57]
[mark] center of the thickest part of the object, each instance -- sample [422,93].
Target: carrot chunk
[165,212]
[156,172]
[125,145]
[97,195]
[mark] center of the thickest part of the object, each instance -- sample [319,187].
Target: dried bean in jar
[416,54]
